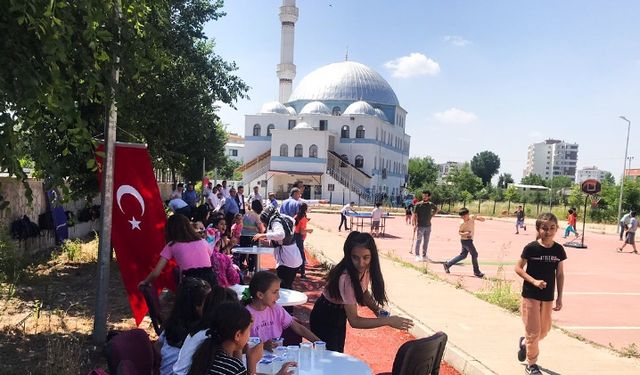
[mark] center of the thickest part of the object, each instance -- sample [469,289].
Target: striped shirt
[224,364]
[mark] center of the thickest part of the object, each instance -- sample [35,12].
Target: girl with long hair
[269,318]
[227,336]
[300,234]
[544,260]
[347,287]
[190,251]
[187,311]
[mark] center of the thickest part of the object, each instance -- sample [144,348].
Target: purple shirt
[188,255]
[269,323]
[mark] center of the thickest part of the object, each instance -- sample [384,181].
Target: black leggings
[329,322]
[286,275]
[343,220]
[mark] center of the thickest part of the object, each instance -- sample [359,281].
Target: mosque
[341,131]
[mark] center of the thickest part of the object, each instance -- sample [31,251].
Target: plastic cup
[265,366]
[253,341]
[305,355]
[318,353]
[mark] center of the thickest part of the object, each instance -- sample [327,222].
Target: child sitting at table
[228,334]
[269,318]
[236,228]
[226,272]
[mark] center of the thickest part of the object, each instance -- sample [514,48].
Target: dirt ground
[47,320]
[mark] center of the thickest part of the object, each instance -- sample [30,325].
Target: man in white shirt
[225,189]
[347,208]
[255,196]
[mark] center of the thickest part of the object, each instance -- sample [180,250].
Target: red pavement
[602,287]
[377,347]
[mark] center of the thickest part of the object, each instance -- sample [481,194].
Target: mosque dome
[292,111]
[302,126]
[274,107]
[315,108]
[346,80]
[360,108]
[381,114]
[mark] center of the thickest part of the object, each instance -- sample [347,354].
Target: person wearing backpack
[280,233]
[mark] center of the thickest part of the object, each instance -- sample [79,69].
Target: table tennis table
[360,217]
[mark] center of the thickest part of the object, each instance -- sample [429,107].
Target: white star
[135,224]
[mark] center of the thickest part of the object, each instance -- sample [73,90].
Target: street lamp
[624,169]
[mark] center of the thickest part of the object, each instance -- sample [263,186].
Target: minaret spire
[286,70]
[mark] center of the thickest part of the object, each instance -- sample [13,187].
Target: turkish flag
[137,227]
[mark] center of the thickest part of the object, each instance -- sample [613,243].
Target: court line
[601,293]
[602,328]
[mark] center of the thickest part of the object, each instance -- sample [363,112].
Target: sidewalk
[482,337]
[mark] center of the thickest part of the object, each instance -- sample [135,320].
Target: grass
[629,351]
[499,291]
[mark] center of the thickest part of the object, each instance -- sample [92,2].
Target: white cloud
[456,40]
[455,116]
[415,64]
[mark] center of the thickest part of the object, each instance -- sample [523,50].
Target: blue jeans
[467,248]
[422,234]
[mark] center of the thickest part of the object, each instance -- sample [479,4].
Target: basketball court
[602,286]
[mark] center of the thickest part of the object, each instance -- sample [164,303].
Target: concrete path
[482,337]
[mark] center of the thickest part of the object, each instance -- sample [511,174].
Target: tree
[608,178]
[533,179]
[485,165]
[559,182]
[226,172]
[422,171]
[510,194]
[463,179]
[504,180]
[53,100]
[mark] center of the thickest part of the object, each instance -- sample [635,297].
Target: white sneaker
[419,258]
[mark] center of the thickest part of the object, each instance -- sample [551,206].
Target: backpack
[24,228]
[287,225]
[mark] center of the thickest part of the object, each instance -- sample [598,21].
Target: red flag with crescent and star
[137,227]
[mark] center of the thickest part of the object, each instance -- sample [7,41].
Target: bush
[72,249]
[12,261]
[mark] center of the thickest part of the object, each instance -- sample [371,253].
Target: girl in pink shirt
[227,274]
[236,228]
[347,287]
[186,246]
[269,318]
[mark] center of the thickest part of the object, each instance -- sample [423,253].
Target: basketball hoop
[595,200]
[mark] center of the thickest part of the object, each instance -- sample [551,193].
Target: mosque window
[344,133]
[336,111]
[270,127]
[297,151]
[323,124]
[292,124]
[256,130]
[284,150]
[359,161]
[313,151]
[360,132]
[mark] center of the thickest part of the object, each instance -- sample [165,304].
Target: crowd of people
[208,328]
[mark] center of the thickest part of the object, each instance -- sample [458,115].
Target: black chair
[153,304]
[420,357]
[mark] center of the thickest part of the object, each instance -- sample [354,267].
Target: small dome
[360,108]
[302,126]
[292,111]
[381,114]
[274,107]
[315,108]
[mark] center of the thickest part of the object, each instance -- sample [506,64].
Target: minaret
[286,70]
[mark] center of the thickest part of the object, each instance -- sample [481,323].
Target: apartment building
[552,158]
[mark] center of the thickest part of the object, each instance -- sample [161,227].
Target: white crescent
[128,189]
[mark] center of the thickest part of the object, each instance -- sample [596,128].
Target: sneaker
[517,232]
[522,350]
[419,258]
[533,370]
[525,228]
[446,267]
[635,251]
[619,250]
[479,274]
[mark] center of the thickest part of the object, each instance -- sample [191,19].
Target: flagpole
[104,247]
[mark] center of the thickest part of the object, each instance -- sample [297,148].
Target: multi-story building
[589,173]
[445,168]
[552,158]
[234,148]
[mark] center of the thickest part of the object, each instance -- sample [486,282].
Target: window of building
[323,124]
[256,130]
[292,124]
[233,152]
[297,151]
[270,127]
[336,111]
[284,150]
[344,133]
[360,132]
[359,161]
[313,151]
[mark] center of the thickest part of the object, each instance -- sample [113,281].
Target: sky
[472,75]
